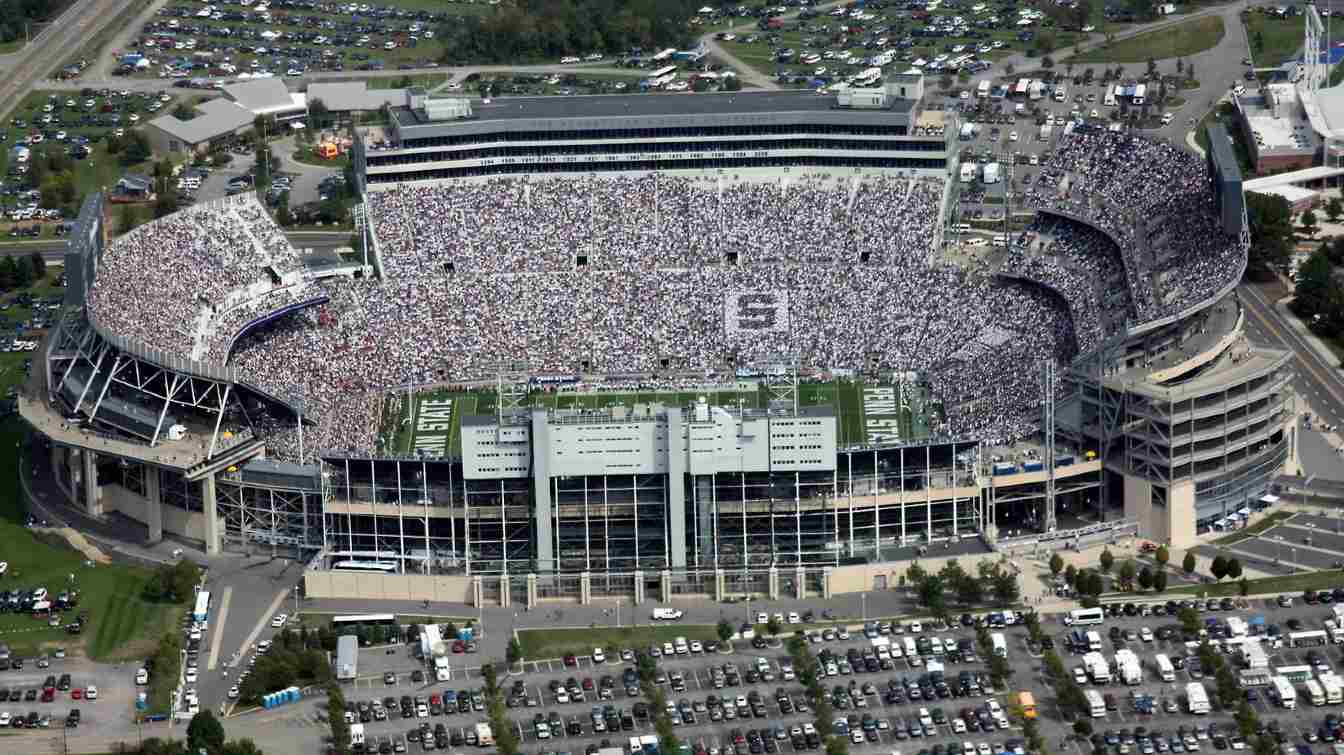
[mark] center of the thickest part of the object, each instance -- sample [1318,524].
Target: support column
[773,583]
[720,586]
[477,591]
[89,479]
[639,587]
[531,591]
[826,583]
[676,493]
[665,586]
[153,504]
[585,588]
[800,583]
[211,515]
[505,590]
[541,487]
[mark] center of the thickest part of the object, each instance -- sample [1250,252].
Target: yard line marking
[219,629]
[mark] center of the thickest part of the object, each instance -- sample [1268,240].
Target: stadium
[694,345]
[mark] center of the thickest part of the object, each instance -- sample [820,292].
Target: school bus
[1028,703]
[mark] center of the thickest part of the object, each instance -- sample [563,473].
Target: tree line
[18,16]
[936,590]
[1091,583]
[551,29]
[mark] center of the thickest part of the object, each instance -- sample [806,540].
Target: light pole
[296,601]
[1279,552]
[863,601]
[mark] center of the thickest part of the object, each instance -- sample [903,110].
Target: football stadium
[697,345]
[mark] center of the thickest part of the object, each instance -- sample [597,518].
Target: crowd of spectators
[1083,266]
[637,275]
[1157,202]
[652,222]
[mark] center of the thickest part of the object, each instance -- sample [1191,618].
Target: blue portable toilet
[294,694]
[466,634]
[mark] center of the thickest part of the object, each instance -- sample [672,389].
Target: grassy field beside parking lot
[540,644]
[1176,41]
[121,626]
[1316,580]
[1255,529]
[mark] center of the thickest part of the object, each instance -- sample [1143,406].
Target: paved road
[1316,380]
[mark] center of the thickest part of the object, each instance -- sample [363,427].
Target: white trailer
[1315,692]
[1284,691]
[1165,669]
[1128,667]
[1097,668]
[1333,687]
[1095,703]
[1197,698]
[991,175]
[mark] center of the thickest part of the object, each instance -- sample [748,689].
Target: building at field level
[1171,427]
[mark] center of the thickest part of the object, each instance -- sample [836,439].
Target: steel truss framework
[77,344]
[265,515]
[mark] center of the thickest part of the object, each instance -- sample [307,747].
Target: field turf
[406,426]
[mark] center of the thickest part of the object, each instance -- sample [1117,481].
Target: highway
[1317,381]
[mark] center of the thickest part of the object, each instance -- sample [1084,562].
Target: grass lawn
[426,80]
[121,626]
[1254,529]
[305,154]
[553,643]
[1316,580]
[1179,40]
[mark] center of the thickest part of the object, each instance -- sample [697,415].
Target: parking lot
[1301,542]
[22,690]
[887,719]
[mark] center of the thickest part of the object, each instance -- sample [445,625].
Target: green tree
[39,265]
[1309,222]
[1070,575]
[241,747]
[725,630]
[1160,581]
[165,203]
[1107,560]
[1056,564]
[1334,209]
[1218,568]
[1316,288]
[1083,728]
[136,149]
[1145,578]
[318,114]
[1234,568]
[1243,587]
[23,273]
[1189,620]
[1270,220]
[1126,574]
[514,652]
[915,575]
[930,593]
[970,590]
[1162,556]
[773,627]
[1188,563]
[1006,590]
[205,732]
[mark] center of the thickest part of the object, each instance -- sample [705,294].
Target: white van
[666,614]
[681,646]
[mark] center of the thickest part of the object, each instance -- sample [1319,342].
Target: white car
[599,656]
[794,618]
[1079,675]
[279,620]
[762,618]
[142,676]
[4,567]
[982,748]
[1012,136]
[191,676]
[914,627]
[90,692]
[696,647]
[958,726]
[1146,634]
[4,718]
[924,717]
[233,692]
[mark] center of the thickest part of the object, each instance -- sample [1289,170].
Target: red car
[76,693]
[588,683]
[459,646]
[571,661]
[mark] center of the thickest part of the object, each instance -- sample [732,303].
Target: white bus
[1311,638]
[382,567]
[1284,691]
[1164,668]
[202,611]
[662,76]
[1095,703]
[1081,617]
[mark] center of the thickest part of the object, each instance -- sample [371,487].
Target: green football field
[865,412]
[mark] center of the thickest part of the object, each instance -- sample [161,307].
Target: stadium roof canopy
[617,111]
[266,97]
